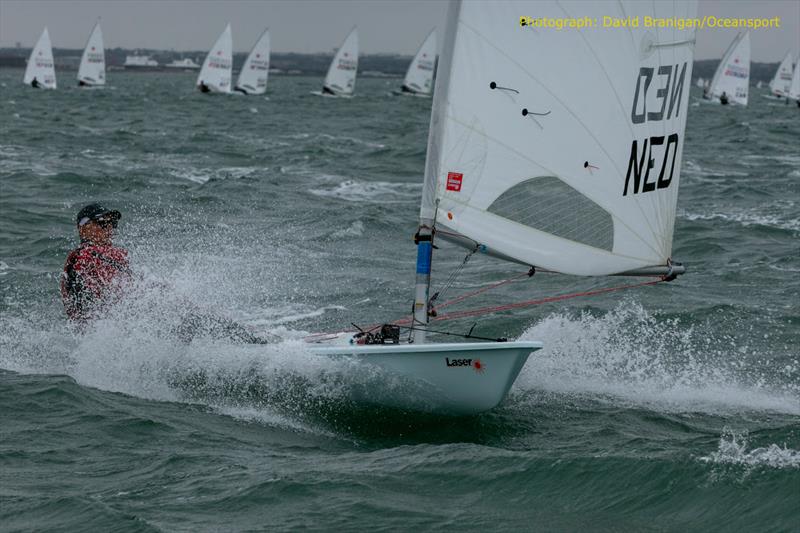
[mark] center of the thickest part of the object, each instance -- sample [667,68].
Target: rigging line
[452,278]
[482,290]
[550,299]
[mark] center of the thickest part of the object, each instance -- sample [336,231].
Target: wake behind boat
[532,170]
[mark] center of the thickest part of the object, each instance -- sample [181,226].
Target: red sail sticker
[454,181]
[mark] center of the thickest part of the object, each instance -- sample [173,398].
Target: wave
[633,358]
[733,450]
[373,191]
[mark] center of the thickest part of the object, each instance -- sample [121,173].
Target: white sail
[40,64]
[419,78]
[783,77]
[700,83]
[560,149]
[216,72]
[733,73]
[92,70]
[253,76]
[794,88]
[341,78]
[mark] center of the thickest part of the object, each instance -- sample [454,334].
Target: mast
[424,240]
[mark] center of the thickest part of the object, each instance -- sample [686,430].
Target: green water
[667,408]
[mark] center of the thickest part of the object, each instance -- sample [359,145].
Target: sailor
[203,87]
[724,98]
[96,271]
[35,83]
[96,274]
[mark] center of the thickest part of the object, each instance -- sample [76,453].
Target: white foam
[370,191]
[733,450]
[748,218]
[631,357]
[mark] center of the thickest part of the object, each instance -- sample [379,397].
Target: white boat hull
[454,378]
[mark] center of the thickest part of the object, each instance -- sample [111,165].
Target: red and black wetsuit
[92,278]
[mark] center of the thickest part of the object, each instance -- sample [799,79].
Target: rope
[488,310]
[550,299]
[481,290]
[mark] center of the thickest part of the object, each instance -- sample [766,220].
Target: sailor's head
[96,223]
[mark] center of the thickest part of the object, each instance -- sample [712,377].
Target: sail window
[548,204]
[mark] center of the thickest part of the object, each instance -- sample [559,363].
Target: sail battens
[598,175]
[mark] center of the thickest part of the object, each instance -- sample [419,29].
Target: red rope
[487,310]
[529,303]
[479,291]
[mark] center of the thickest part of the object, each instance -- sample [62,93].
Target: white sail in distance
[560,149]
[419,77]
[216,72]
[254,73]
[782,81]
[341,77]
[40,64]
[794,88]
[732,76]
[92,71]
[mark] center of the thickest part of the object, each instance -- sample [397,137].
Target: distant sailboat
[419,78]
[92,71]
[794,88]
[40,72]
[341,78]
[215,76]
[731,81]
[254,73]
[782,81]
[701,83]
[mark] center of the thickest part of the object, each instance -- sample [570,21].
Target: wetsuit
[92,278]
[204,88]
[35,83]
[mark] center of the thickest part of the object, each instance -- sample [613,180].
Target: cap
[97,212]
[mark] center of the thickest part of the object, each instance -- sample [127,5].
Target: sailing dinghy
[732,76]
[557,150]
[92,71]
[782,81]
[40,72]
[254,73]
[341,77]
[419,78]
[215,76]
[794,88]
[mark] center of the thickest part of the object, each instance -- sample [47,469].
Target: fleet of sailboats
[92,70]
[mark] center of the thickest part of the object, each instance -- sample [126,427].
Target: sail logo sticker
[454,181]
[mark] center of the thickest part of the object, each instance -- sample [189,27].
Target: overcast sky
[316,25]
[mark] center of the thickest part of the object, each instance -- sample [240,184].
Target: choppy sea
[666,408]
